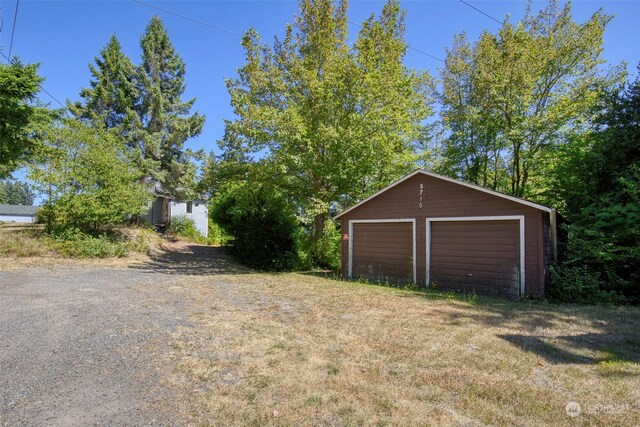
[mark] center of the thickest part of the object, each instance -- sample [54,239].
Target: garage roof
[455,181]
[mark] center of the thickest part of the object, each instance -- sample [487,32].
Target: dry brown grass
[22,240]
[25,245]
[301,350]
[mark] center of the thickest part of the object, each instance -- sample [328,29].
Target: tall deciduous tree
[112,92]
[510,97]
[163,122]
[21,120]
[335,122]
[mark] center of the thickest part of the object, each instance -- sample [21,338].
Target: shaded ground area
[184,258]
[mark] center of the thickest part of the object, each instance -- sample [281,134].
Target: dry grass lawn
[296,349]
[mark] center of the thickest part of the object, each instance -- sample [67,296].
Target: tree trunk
[317,228]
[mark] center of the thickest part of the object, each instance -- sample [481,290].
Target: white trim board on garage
[454,181]
[519,218]
[373,221]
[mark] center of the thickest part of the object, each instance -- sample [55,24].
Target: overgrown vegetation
[100,166]
[599,181]
[32,241]
[332,121]
[217,236]
[263,224]
[185,227]
[90,183]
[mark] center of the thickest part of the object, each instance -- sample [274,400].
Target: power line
[409,47]
[13,30]
[188,18]
[484,13]
[240,35]
[39,85]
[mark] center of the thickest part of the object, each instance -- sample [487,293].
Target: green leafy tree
[510,98]
[233,165]
[333,122]
[112,92]
[598,181]
[21,120]
[262,223]
[89,181]
[16,193]
[163,122]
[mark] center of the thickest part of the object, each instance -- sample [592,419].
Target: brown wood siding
[383,252]
[447,199]
[476,256]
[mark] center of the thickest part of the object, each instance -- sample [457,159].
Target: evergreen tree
[163,122]
[21,120]
[112,92]
[16,193]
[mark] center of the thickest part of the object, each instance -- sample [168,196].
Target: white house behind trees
[18,213]
[163,209]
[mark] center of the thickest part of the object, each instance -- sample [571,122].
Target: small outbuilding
[163,209]
[18,213]
[437,231]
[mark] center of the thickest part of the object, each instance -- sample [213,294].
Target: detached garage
[433,230]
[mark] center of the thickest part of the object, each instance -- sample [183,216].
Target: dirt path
[80,342]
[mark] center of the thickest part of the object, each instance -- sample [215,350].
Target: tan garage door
[476,256]
[383,251]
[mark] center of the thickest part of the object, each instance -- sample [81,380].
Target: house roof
[20,210]
[455,181]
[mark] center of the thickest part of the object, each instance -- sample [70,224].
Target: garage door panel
[478,256]
[480,241]
[479,268]
[471,254]
[383,251]
[478,234]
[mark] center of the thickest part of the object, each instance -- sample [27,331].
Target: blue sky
[65,36]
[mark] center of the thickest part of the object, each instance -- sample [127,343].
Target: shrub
[327,249]
[185,227]
[91,182]
[217,235]
[74,243]
[262,223]
[578,284]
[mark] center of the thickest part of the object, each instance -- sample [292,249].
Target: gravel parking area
[83,345]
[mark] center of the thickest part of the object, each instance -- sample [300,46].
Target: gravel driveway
[81,346]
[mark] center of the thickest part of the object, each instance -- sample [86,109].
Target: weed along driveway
[191,338]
